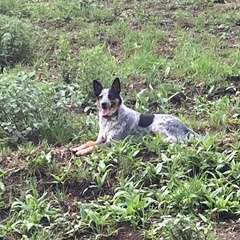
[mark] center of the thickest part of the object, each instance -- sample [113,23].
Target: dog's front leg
[88,147]
[83,146]
[84,151]
[97,143]
[99,138]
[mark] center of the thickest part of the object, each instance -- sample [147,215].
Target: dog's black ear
[116,86]
[97,87]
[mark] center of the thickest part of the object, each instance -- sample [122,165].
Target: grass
[172,57]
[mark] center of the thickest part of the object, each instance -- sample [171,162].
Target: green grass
[172,57]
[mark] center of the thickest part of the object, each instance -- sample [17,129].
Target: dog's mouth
[108,109]
[104,111]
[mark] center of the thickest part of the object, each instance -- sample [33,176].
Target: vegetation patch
[18,39]
[177,57]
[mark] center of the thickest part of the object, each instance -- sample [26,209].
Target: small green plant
[27,149]
[99,57]
[32,212]
[65,60]
[28,109]
[84,4]
[40,161]
[180,227]
[2,190]
[17,39]
[130,202]
[8,7]
[100,178]
[97,220]
[64,173]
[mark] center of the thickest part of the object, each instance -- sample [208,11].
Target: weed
[18,38]
[179,227]
[177,57]
[6,7]
[29,109]
[32,213]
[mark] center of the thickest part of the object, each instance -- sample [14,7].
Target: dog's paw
[83,146]
[84,151]
[76,149]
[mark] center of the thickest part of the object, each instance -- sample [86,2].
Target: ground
[177,57]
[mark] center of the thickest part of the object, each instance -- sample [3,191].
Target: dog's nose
[104,105]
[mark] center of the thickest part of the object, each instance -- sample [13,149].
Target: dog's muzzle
[105,108]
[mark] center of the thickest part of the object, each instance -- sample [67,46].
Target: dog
[117,121]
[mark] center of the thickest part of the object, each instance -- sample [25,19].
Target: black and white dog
[117,121]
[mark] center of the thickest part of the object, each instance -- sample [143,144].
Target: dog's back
[171,127]
[130,122]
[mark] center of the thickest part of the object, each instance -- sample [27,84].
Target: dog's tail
[191,133]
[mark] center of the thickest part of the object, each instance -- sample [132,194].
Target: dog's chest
[108,126]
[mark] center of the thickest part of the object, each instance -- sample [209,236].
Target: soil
[127,232]
[224,230]
[227,231]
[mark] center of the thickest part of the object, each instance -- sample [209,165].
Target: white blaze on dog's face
[108,99]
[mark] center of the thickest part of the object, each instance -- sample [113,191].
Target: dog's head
[109,99]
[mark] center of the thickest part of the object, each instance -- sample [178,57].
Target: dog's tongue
[104,112]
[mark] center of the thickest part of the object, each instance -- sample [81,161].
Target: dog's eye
[100,97]
[111,96]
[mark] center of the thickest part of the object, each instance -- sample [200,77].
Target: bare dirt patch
[127,232]
[228,231]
